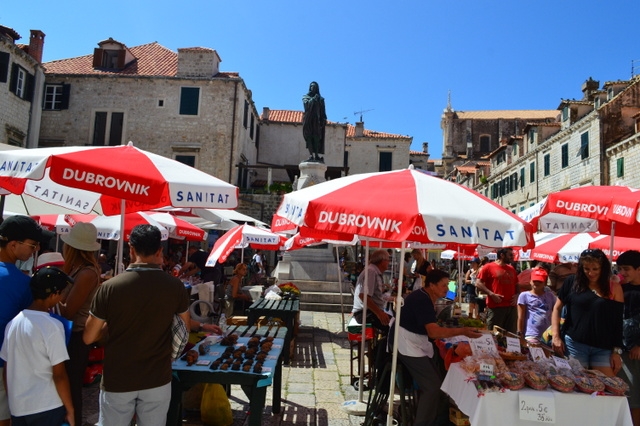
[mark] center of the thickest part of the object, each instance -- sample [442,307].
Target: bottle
[223,324]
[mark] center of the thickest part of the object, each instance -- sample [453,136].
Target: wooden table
[253,384]
[287,310]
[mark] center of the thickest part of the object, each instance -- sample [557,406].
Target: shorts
[5,414]
[630,372]
[589,356]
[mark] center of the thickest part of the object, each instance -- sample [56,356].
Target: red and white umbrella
[243,236]
[561,248]
[620,245]
[402,205]
[108,227]
[78,177]
[604,209]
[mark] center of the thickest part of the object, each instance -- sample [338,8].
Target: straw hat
[82,236]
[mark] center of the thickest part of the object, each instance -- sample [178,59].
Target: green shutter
[189,97]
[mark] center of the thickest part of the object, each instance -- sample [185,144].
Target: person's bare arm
[371,306]
[522,315]
[92,330]
[436,332]
[61,381]
[482,287]
[557,343]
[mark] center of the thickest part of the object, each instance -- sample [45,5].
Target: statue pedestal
[310,174]
[312,263]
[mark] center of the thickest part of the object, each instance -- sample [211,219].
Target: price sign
[536,354]
[561,362]
[484,345]
[486,369]
[513,345]
[537,406]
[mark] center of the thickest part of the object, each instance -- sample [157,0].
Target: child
[34,350]
[534,307]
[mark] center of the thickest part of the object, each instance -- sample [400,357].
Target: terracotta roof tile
[417,153]
[197,49]
[507,114]
[467,169]
[152,59]
[288,116]
[285,116]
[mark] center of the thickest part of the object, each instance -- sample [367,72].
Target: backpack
[254,268]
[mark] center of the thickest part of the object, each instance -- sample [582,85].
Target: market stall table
[285,309]
[505,407]
[253,384]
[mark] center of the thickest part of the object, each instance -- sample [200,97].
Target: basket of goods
[510,380]
[512,356]
[589,384]
[615,385]
[535,380]
[562,383]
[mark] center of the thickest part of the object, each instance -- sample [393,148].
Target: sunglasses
[592,253]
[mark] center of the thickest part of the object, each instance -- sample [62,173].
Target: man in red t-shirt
[499,280]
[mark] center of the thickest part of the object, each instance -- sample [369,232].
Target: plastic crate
[357,337]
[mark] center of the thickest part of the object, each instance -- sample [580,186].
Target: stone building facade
[348,149]
[472,135]
[178,105]
[21,83]
[589,144]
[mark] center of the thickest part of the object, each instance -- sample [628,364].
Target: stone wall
[259,206]
[152,120]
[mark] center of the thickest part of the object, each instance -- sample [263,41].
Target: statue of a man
[314,122]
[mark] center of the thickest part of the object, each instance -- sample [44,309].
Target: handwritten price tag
[561,362]
[537,406]
[536,354]
[513,345]
[486,369]
[484,345]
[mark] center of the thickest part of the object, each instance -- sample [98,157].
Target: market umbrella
[78,177]
[620,245]
[561,248]
[178,228]
[122,178]
[108,227]
[401,205]
[240,237]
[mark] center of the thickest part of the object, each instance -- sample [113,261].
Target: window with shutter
[584,145]
[189,99]
[4,67]
[565,155]
[385,161]
[547,164]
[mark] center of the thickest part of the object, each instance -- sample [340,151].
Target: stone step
[323,297]
[321,286]
[324,307]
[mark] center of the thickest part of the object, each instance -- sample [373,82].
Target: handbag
[179,337]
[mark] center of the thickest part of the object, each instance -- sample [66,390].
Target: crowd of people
[586,311]
[51,316]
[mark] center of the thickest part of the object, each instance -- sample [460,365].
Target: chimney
[425,147]
[588,87]
[36,45]
[265,113]
[359,129]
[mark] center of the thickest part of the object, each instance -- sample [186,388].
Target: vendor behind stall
[418,327]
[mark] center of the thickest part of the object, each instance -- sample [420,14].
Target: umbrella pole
[613,235]
[340,284]
[119,266]
[396,327]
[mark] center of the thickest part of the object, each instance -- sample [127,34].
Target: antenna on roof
[633,62]
[361,112]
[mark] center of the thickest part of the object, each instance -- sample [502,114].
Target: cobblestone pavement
[315,384]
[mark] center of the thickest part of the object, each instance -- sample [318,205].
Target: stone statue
[314,121]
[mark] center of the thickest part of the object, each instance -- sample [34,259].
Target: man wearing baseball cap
[19,239]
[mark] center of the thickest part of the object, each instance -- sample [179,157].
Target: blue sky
[398,60]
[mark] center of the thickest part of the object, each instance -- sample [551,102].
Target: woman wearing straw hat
[81,264]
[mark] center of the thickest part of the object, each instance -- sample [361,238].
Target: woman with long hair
[233,291]
[592,330]
[81,264]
